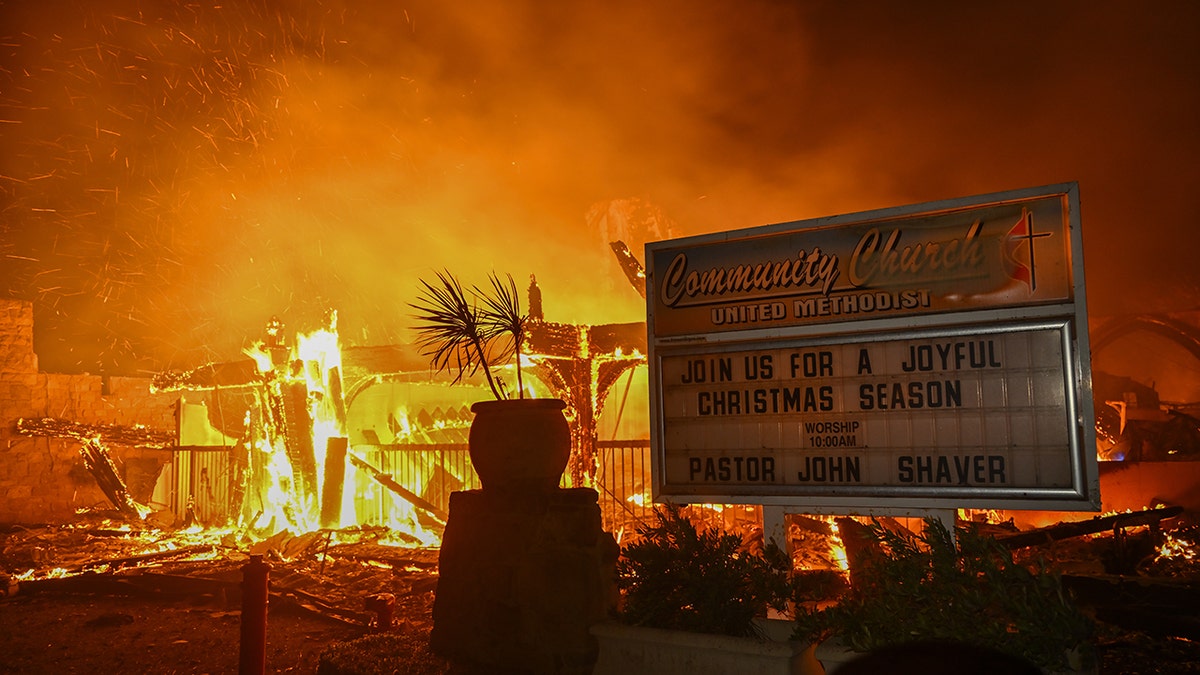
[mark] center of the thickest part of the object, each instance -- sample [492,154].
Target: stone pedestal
[522,578]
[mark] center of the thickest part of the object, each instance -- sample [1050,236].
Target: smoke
[174,175]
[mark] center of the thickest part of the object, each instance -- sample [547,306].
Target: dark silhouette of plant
[677,577]
[470,331]
[503,323]
[965,589]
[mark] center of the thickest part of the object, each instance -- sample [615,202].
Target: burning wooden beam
[335,476]
[298,438]
[630,266]
[244,373]
[1045,535]
[406,494]
[95,457]
[107,434]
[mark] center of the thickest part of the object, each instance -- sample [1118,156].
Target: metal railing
[198,482]
[435,470]
[623,481]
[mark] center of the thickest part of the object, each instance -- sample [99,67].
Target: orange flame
[837,549]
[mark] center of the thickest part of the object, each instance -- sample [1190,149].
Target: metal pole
[255,578]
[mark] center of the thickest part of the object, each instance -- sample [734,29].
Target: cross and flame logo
[1021,235]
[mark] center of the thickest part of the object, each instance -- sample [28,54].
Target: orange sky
[174,175]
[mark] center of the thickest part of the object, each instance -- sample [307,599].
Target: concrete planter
[831,656]
[635,650]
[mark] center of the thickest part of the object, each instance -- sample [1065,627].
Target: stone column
[522,577]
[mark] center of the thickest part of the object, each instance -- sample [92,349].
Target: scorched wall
[44,480]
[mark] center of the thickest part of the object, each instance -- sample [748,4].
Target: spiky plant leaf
[451,330]
[503,324]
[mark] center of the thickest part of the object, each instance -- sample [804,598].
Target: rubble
[309,573]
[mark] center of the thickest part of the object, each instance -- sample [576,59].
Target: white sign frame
[1052,314]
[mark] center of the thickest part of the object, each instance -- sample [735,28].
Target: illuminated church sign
[925,356]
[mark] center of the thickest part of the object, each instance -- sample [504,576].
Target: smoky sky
[173,175]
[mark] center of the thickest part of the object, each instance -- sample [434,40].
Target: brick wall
[44,480]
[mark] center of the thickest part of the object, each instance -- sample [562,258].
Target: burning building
[298,436]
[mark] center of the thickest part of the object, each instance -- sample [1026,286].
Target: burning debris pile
[289,466]
[347,577]
[127,597]
[1136,573]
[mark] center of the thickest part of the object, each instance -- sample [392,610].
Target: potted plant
[693,601]
[515,444]
[964,590]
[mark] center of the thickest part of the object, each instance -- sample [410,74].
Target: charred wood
[108,434]
[549,338]
[210,376]
[406,494]
[97,461]
[298,439]
[634,272]
[302,599]
[239,472]
[572,341]
[1157,621]
[861,550]
[1159,607]
[422,559]
[336,398]
[335,475]
[133,584]
[134,560]
[1051,533]
[611,338]
[88,582]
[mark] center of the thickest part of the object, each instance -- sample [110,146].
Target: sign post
[933,356]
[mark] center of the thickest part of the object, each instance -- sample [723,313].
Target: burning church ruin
[299,435]
[307,445]
[176,172]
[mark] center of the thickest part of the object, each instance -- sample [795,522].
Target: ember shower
[183,173]
[176,174]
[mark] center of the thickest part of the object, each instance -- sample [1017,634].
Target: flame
[33,574]
[262,358]
[1176,548]
[837,549]
[403,523]
[280,502]
[403,429]
[315,361]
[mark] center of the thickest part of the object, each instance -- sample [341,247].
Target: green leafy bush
[677,577]
[964,589]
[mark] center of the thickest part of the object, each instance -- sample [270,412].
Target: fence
[623,481]
[199,483]
[435,470]
[196,486]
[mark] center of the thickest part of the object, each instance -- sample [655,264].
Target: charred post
[298,439]
[335,476]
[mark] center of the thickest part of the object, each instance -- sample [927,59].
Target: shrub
[677,577]
[965,589]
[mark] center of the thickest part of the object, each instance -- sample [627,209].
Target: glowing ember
[1176,548]
[55,573]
